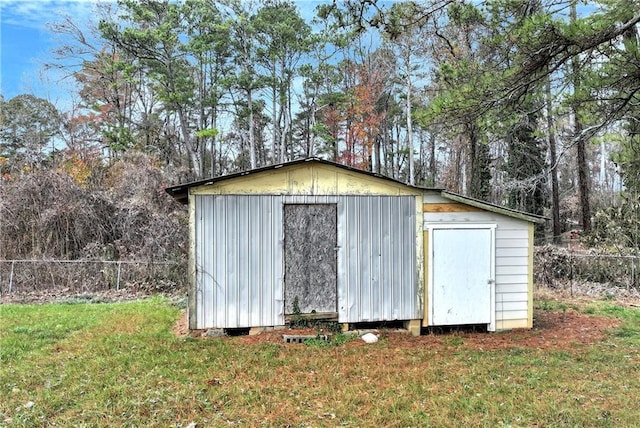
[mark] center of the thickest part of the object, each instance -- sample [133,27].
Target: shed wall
[513,267]
[239,258]
[238,253]
[377,277]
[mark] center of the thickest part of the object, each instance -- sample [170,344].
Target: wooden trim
[192,273]
[425,249]
[530,278]
[448,208]
[413,326]
[420,260]
[506,325]
[324,316]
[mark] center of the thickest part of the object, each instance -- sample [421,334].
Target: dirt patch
[555,330]
[181,327]
[552,330]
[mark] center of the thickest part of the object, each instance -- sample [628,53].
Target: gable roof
[181,192]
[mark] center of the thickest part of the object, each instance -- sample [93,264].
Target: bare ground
[68,296]
[553,330]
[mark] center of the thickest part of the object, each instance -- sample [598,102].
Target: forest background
[531,104]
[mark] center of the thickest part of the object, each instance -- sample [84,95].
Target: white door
[462,278]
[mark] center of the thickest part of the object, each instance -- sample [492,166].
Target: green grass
[630,317]
[120,365]
[337,339]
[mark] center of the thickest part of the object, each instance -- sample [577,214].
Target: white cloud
[27,45]
[37,14]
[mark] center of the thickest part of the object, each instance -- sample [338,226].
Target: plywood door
[310,239]
[461,276]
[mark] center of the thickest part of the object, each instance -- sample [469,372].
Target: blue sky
[26,44]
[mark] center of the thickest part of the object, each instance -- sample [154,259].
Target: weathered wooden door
[462,276]
[310,239]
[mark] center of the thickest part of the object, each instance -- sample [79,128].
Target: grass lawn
[121,365]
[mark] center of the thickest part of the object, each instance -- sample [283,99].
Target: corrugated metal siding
[310,199]
[238,261]
[377,278]
[512,251]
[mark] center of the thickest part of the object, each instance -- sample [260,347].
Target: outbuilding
[319,239]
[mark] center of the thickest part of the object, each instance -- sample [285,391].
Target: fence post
[571,270]
[13,262]
[118,279]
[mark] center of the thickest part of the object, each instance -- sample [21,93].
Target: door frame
[429,228]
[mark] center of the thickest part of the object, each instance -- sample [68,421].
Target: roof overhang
[181,192]
[533,218]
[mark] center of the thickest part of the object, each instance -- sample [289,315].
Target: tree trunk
[583,167]
[274,117]
[583,179]
[283,135]
[252,138]
[432,159]
[411,178]
[188,143]
[311,135]
[377,151]
[553,171]
[289,132]
[478,174]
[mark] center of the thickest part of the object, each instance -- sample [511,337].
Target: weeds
[322,341]
[553,305]
[297,321]
[454,341]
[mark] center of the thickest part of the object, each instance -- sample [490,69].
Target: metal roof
[181,192]
[534,218]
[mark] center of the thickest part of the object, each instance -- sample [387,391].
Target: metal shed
[316,237]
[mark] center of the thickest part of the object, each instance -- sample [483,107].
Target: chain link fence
[560,267]
[554,266]
[88,276]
